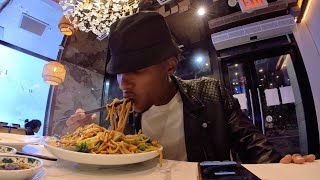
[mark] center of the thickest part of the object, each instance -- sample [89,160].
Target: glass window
[23,93]
[193,64]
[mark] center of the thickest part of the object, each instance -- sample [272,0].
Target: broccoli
[90,142]
[144,137]
[142,147]
[83,147]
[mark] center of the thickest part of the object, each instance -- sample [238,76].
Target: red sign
[250,5]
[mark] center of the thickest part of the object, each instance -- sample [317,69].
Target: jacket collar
[191,102]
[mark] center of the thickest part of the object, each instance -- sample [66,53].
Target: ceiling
[21,21]
[189,29]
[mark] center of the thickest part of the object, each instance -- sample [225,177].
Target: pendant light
[66,27]
[54,72]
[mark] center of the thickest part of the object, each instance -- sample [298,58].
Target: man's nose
[125,82]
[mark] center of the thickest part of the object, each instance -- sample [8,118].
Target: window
[23,93]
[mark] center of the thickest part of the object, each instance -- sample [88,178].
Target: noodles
[95,139]
[118,114]
[98,140]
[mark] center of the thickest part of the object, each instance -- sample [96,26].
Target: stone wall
[84,59]
[82,88]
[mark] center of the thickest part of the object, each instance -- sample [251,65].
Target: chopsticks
[98,109]
[37,156]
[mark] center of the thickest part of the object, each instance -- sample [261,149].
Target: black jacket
[215,126]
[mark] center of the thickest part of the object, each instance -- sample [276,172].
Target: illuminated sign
[247,6]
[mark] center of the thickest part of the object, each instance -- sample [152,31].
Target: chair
[3,123]
[4,129]
[16,125]
[18,131]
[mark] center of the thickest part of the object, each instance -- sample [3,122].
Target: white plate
[16,140]
[35,163]
[100,159]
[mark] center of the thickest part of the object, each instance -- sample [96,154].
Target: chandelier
[97,15]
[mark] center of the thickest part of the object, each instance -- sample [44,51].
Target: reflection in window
[193,64]
[272,72]
[237,79]
[23,93]
[279,105]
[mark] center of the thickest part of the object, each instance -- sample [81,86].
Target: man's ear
[172,63]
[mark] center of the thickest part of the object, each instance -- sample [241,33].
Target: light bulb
[201,11]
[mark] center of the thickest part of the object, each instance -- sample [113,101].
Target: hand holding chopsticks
[82,118]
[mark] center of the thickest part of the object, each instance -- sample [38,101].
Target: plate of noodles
[93,144]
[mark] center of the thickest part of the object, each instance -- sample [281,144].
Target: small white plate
[100,159]
[16,140]
[35,163]
[7,149]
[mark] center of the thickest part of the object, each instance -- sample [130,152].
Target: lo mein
[99,140]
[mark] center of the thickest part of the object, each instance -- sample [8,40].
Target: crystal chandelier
[97,15]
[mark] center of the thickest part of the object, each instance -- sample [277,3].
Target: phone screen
[224,170]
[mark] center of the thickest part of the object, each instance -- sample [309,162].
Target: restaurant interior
[54,53]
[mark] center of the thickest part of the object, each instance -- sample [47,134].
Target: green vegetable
[117,136]
[89,143]
[5,160]
[142,147]
[83,147]
[30,160]
[87,140]
[131,141]
[144,137]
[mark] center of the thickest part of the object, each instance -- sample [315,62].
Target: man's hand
[80,119]
[297,158]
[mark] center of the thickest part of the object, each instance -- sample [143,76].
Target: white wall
[44,10]
[307,35]
[312,20]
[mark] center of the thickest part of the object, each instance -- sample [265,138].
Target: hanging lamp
[53,73]
[66,27]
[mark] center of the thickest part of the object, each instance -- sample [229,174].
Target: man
[194,120]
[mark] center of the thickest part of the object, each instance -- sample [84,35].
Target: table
[277,171]
[149,170]
[172,170]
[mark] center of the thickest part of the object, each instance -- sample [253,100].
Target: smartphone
[224,170]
